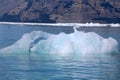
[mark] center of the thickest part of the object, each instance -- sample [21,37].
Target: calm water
[52,67]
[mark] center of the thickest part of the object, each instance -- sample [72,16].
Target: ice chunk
[76,43]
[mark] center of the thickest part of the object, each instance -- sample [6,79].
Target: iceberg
[76,43]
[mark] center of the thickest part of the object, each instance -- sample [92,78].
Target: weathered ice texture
[68,11]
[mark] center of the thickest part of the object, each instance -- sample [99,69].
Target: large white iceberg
[76,43]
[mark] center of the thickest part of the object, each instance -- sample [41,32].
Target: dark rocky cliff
[51,11]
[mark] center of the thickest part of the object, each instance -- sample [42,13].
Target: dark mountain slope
[50,11]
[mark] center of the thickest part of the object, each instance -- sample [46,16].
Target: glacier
[64,24]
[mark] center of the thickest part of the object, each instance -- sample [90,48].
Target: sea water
[46,52]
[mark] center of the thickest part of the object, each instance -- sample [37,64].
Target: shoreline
[64,24]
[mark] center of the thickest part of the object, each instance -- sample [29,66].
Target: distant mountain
[52,11]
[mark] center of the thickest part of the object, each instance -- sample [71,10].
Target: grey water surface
[49,67]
